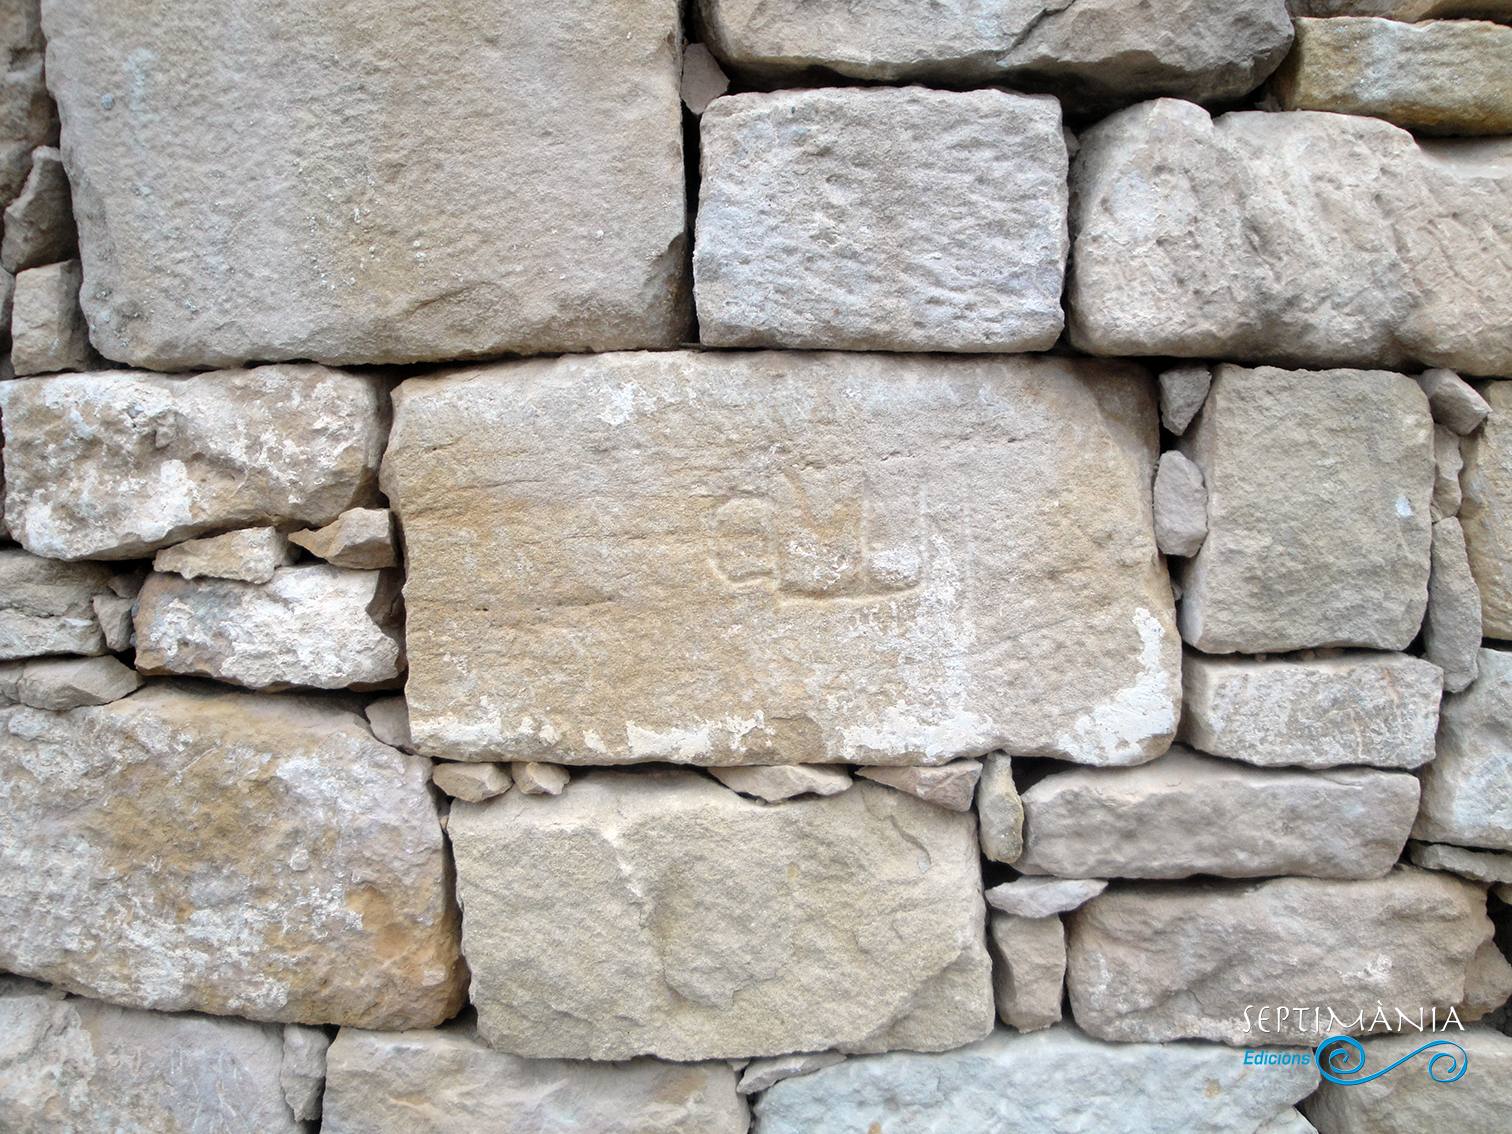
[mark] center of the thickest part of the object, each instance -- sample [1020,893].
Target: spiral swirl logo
[1342,1059]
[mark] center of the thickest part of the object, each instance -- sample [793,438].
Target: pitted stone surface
[47,607]
[516,184]
[1486,511]
[226,852]
[1467,790]
[704,925]
[862,558]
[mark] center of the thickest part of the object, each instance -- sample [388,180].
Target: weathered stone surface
[1452,626]
[28,117]
[1448,461]
[39,225]
[762,1073]
[1186,814]
[1289,1121]
[515,186]
[1044,897]
[949,232]
[47,328]
[472,782]
[47,607]
[1301,239]
[1000,812]
[361,538]
[535,778]
[389,718]
[704,925]
[1180,505]
[443,1081]
[863,559]
[1409,1101]
[1486,511]
[1348,708]
[114,616]
[250,555]
[81,1066]
[301,1074]
[1318,491]
[703,80]
[60,684]
[1482,866]
[776,782]
[117,464]
[1151,962]
[1467,790]
[1183,389]
[1453,400]
[1409,11]
[952,786]
[314,625]
[1441,77]
[225,852]
[1056,1081]
[1028,969]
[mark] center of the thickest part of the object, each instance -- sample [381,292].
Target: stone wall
[789,565]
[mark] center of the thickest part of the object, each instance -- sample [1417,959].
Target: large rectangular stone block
[783,558]
[661,913]
[372,183]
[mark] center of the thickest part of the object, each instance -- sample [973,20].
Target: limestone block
[60,684]
[1154,962]
[1000,812]
[472,782]
[389,719]
[1452,626]
[703,80]
[1183,389]
[114,616]
[1453,400]
[776,782]
[39,224]
[1448,462]
[81,1066]
[1056,1081]
[1180,505]
[1349,707]
[861,558]
[1318,491]
[535,778]
[1303,239]
[361,538]
[315,625]
[28,117]
[229,853]
[447,1080]
[1486,511]
[952,786]
[117,464]
[1467,790]
[1482,866]
[1186,814]
[516,185]
[882,219]
[48,333]
[301,1074]
[704,925]
[47,607]
[1440,77]
[1044,897]
[249,555]
[1028,969]
[762,1073]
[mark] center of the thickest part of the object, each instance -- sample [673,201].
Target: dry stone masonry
[755,566]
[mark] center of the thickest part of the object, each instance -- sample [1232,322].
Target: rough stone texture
[1453,400]
[1318,490]
[1481,866]
[39,225]
[1442,77]
[1452,626]
[762,1073]
[1408,1101]
[117,464]
[80,1066]
[1186,814]
[114,616]
[47,328]
[1180,505]
[47,607]
[783,781]
[1289,1121]
[1151,962]
[703,80]
[1056,1081]
[28,117]
[444,1081]
[1348,708]
[314,625]
[1300,239]
[534,778]
[60,684]
[1486,510]
[1409,11]
[864,559]
[1448,461]
[362,538]
[953,786]
[472,782]
[1467,790]
[1028,969]
[941,215]
[704,925]
[1183,389]
[1044,897]
[250,555]
[389,718]
[225,852]
[302,1072]
[1000,812]
[515,186]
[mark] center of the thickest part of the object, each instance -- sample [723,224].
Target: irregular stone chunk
[47,328]
[1300,239]
[28,117]
[762,1073]
[515,186]
[953,786]
[1288,1121]
[1056,1081]
[703,80]
[1180,505]
[1442,77]
[1453,400]
[1348,708]
[47,607]
[1000,813]
[1028,969]
[1318,488]
[1409,11]
[472,782]
[1447,463]
[362,538]
[1155,962]
[250,555]
[1486,511]
[1186,814]
[1482,866]
[229,853]
[534,778]
[1452,627]
[302,1072]
[389,718]
[316,625]
[783,781]
[79,1065]
[1467,790]
[60,684]
[113,613]
[780,915]
[39,224]
[1183,389]
[940,215]
[118,464]
[447,1080]
[1044,897]
[862,559]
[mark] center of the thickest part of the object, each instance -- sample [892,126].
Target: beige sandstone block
[952,786]
[1000,812]
[28,117]
[1183,389]
[1453,400]
[1409,11]
[60,684]
[48,332]
[1044,897]
[249,555]
[1467,789]
[362,538]
[389,719]
[303,1070]
[703,80]
[1481,866]
[1180,505]
[1028,969]
[763,1073]
[1486,510]
[472,782]
[535,778]
[39,224]
[1452,626]
[47,607]
[1448,461]
[776,782]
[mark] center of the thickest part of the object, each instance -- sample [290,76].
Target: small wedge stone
[70,683]
[1028,969]
[1183,389]
[775,782]
[1000,813]
[1453,400]
[302,1072]
[48,332]
[113,613]
[249,555]
[762,1073]
[535,778]
[39,224]
[1482,866]
[1044,897]
[1452,625]
[389,718]
[1448,461]
[951,785]
[472,782]
[361,538]
[1180,505]
[703,80]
